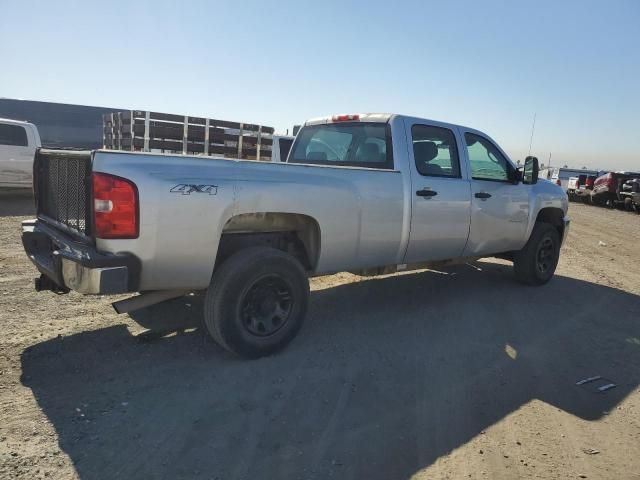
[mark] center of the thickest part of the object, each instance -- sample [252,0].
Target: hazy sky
[486,64]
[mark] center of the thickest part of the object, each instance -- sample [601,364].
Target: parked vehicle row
[561,175]
[612,189]
[370,193]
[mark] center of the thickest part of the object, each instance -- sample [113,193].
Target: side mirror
[531,170]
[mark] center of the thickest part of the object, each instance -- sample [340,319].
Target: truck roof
[362,117]
[377,117]
[14,122]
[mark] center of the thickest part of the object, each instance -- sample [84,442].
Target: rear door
[441,198]
[499,206]
[16,155]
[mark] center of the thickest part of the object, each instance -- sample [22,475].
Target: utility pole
[532,129]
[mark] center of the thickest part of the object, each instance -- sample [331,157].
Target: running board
[146,299]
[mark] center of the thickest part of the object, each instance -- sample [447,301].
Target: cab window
[14,135]
[435,151]
[486,161]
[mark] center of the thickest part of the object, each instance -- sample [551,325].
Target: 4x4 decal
[188,189]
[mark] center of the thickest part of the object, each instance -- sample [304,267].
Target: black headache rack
[62,189]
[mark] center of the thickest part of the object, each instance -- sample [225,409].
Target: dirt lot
[456,374]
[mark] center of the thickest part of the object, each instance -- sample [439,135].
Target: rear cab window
[13,135]
[351,144]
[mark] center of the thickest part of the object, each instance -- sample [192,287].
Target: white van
[18,143]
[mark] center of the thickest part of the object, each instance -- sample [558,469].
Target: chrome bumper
[94,280]
[70,264]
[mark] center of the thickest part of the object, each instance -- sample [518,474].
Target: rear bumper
[578,191]
[74,265]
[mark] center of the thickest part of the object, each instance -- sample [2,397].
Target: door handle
[482,195]
[426,193]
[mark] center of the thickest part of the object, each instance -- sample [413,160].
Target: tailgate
[62,189]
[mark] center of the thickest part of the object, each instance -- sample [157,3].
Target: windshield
[346,144]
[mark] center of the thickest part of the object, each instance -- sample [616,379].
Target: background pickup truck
[370,193]
[18,143]
[580,187]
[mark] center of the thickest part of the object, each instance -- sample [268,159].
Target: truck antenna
[532,129]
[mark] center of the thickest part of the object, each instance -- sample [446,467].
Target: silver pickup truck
[369,193]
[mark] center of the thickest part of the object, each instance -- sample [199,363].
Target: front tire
[256,301]
[536,263]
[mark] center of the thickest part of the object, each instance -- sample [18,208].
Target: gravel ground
[455,374]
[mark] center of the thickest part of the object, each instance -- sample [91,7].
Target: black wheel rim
[266,305]
[546,255]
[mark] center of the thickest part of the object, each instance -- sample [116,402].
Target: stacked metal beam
[145,131]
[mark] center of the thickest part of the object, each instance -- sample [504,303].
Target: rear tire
[256,301]
[536,263]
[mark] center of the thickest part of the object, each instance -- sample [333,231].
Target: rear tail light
[589,183]
[610,181]
[345,118]
[115,207]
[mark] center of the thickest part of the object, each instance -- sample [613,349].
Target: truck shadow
[387,375]
[14,202]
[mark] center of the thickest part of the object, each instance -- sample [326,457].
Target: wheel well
[295,234]
[552,216]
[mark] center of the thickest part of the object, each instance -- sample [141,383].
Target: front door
[441,202]
[499,207]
